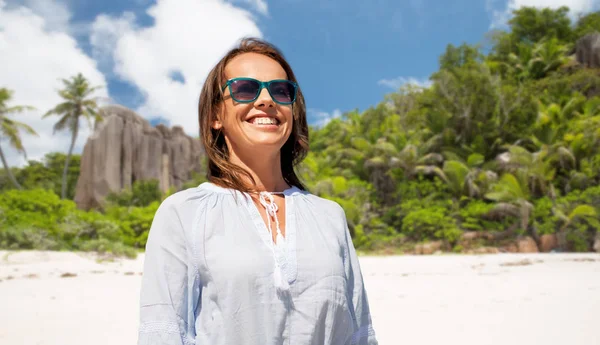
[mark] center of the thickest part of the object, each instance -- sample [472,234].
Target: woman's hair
[220,170]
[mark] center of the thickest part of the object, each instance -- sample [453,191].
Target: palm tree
[77,104]
[10,129]
[584,212]
[535,168]
[513,199]
[413,162]
[538,60]
[464,178]
[549,55]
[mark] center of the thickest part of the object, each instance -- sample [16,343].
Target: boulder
[125,148]
[587,50]
[527,245]
[469,236]
[428,248]
[510,248]
[548,242]
[484,250]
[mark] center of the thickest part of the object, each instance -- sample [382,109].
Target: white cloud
[320,118]
[396,83]
[35,56]
[56,14]
[105,35]
[259,5]
[188,37]
[500,17]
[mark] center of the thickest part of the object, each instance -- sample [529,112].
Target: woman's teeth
[264,121]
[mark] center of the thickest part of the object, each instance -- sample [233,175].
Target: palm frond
[62,108]
[64,122]
[12,134]
[18,109]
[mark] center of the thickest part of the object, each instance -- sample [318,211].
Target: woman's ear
[216,124]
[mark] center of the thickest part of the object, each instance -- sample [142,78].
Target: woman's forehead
[253,65]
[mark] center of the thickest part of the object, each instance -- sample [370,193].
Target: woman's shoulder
[324,205]
[188,200]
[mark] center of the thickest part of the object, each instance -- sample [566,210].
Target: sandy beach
[62,298]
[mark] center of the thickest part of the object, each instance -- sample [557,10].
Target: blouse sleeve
[166,297]
[364,334]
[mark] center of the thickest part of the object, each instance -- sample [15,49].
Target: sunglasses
[246,90]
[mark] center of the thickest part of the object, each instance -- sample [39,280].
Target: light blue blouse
[209,267]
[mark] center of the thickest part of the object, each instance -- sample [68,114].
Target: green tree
[528,26]
[535,61]
[513,197]
[78,103]
[463,55]
[47,173]
[9,129]
[531,25]
[468,179]
[587,24]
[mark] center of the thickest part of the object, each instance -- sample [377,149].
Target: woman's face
[248,127]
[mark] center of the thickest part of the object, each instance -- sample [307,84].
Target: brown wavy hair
[220,171]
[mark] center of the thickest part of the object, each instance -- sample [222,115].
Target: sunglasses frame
[262,84]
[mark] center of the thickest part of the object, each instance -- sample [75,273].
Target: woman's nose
[264,99]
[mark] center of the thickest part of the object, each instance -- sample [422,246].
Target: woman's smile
[264,122]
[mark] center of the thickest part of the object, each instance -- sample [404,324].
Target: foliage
[39,219]
[46,174]
[426,223]
[490,146]
[10,128]
[530,24]
[472,217]
[587,24]
[134,223]
[142,193]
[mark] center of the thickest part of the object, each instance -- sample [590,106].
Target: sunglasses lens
[282,91]
[244,90]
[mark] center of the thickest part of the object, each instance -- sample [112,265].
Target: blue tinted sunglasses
[246,90]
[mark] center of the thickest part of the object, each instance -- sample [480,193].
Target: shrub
[81,226]
[360,240]
[36,207]
[471,217]
[430,223]
[134,223]
[27,237]
[39,219]
[142,194]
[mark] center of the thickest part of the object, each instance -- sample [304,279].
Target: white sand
[414,299]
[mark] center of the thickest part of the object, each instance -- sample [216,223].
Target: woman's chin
[267,141]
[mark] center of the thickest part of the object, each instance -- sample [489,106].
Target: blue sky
[153,55]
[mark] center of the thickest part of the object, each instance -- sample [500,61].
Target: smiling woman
[251,257]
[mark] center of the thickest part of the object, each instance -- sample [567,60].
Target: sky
[153,55]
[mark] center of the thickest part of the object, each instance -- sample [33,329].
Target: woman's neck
[266,171]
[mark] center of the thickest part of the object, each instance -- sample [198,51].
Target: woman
[251,257]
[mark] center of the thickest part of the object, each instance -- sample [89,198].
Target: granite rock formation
[587,50]
[124,148]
